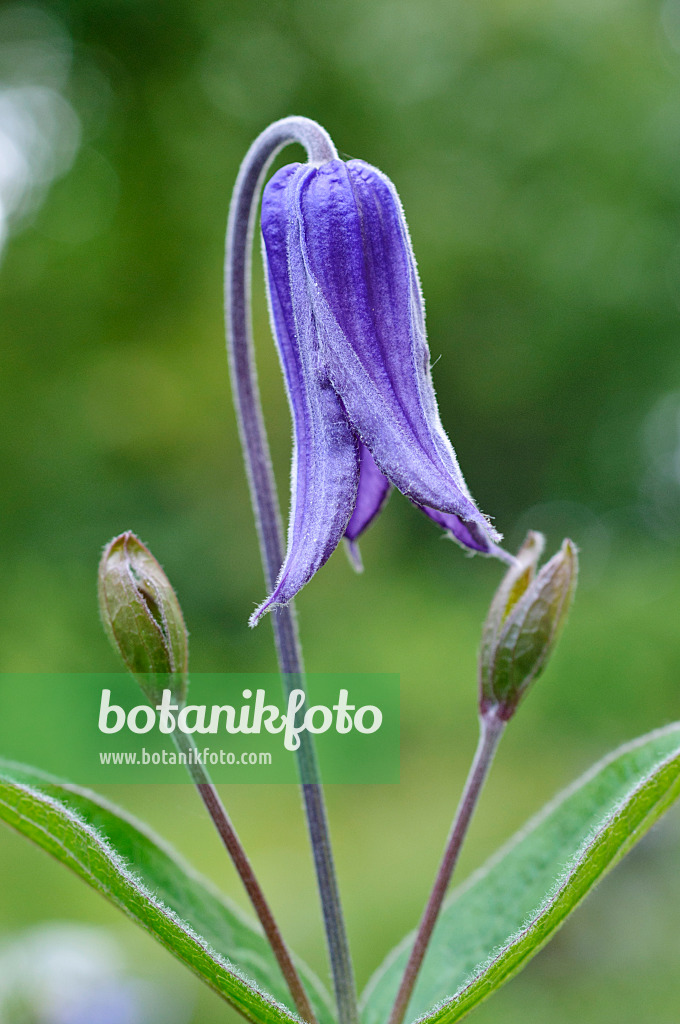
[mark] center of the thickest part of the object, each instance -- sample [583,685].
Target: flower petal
[370,321]
[325,467]
[372,494]
[468,535]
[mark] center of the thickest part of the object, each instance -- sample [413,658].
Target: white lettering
[359,718]
[326,716]
[166,720]
[105,710]
[148,713]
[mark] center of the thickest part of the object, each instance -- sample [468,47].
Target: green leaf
[137,873]
[492,925]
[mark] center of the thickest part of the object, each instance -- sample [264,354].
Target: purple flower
[347,314]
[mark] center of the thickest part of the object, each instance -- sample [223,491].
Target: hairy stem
[240,229]
[491,730]
[186,745]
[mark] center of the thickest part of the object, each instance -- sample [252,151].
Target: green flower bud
[142,618]
[523,624]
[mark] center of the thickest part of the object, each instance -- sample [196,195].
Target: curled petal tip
[261,610]
[503,555]
[492,551]
[354,555]
[475,536]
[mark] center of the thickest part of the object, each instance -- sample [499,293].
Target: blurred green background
[536,148]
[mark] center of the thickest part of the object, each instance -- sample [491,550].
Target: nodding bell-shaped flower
[348,319]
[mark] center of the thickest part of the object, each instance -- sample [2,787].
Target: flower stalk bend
[240,348]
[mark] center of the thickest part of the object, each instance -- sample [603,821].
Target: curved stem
[186,745]
[240,229]
[491,730]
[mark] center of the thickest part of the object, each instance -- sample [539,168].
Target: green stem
[490,731]
[186,745]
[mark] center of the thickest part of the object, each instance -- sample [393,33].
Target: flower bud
[523,624]
[142,617]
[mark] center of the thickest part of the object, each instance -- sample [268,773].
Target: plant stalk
[240,349]
[490,731]
[186,745]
